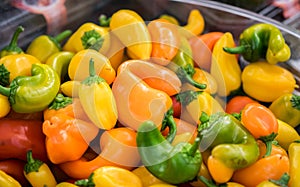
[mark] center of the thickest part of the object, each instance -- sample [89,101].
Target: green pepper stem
[5,91]
[60,101]
[184,76]
[15,37]
[32,165]
[208,183]
[104,21]
[268,140]
[4,75]
[169,121]
[92,68]
[283,181]
[93,78]
[86,182]
[63,35]
[295,100]
[92,40]
[236,50]
[187,97]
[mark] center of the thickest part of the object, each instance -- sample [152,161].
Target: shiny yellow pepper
[294,155]
[286,134]
[111,176]
[266,82]
[98,100]
[195,24]
[224,67]
[132,31]
[89,35]
[8,181]
[38,173]
[146,177]
[5,106]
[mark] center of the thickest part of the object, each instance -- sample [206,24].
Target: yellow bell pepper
[111,176]
[70,88]
[8,181]
[286,134]
[266,82]
[79,65]
[15,65]
[131,29]
[224,67]
[98,100]
[89,35]
[146,177]
[294,155]
[5,106]
[195,24]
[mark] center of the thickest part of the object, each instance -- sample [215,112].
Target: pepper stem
[13,45]
[104,21]
[86,182]
[187,97]
[93,78]
[295,100]
[5,91]
[92,40]
[32,164]
[184,76]
[236,50]
[208,183]
[268,140]
[63,35]
[60,101]
[4,75]
[283,181]
[168,121]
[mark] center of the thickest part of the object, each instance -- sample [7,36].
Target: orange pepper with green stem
[118,148]
[261,123]
[140,83]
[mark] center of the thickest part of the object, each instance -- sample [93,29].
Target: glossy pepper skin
[266,82]
[8,181]
[287,108]
[262,40]
[38,173]
[294,154]
[98,100]
[27,134]
[126,23]
[13,47]
[172,164]
[195,24]
[14,168]
[229,142]
[28,94]
[89,35]
[111,176]
[44,46]
[225,67]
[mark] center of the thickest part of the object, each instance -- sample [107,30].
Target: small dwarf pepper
[172,164]
[44,46]
[8,181]
[13,47]
[28,94]
[98,100]
[287,108]
[195,24]
[262,40]
[38,173]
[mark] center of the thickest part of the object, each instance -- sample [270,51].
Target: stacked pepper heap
[123,102]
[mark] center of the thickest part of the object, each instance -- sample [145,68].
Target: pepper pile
[125,103]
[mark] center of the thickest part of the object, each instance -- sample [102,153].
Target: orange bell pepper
[140,83]
[270,167]
[118,148]
[165,41]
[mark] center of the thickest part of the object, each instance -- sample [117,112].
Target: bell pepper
[131,29]
[111,176]
[266,82]
[44,46]
[232,146]
[60,62]
[15,65]
[196,102]
[28,94]
[195,24]
[98,100]
[206,78]
[286,134]
[261,123]
[261,40]
[8,181]
[70,88]
[287,108]
[5,106]
[79,66]
[294,153]
[264,168]
[282,182]
[204,43]
[146,177]
[165,41]
[118,148]
[183,64]
[63,130]
[38,173]
[12,47]
[89,35]
[27,134]
[140,83]
[224,67]
[14,168]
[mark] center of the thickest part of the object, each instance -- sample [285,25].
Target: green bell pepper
[262,40]
[183,64]
[13,47]
[28,94]
[228,141]
[172,164]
